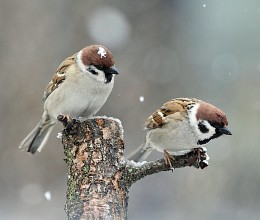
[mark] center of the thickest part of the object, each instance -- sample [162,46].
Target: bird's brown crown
[97,55]
[211,113]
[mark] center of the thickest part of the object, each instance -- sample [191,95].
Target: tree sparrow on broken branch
[180,125]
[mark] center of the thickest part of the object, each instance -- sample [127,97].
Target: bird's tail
[141,153]
[38,136]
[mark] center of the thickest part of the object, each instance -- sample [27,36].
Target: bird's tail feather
[38,136]
[141,153]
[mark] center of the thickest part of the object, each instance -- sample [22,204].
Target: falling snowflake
[204,5]
[102,52]
[47,195]
[141,98]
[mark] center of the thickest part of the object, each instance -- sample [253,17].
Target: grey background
[163,49]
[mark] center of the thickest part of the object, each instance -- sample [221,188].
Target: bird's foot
[168,159]
[67,122]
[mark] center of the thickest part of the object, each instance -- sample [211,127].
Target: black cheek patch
[203,128]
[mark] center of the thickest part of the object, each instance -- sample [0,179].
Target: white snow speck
[206,162]
[204,5]
[102,52]
[178,153]
[207,157]
[119,123]
[137,164]
[47,195]
[141,98]
[204,149]
[59,135]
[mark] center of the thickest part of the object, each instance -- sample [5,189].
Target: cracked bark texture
[99,176]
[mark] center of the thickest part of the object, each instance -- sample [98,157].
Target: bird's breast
[173,137]
[81,97]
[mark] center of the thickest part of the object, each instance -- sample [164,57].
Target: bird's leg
[168,158]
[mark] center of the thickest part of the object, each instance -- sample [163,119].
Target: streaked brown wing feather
[59,76]
[159,118]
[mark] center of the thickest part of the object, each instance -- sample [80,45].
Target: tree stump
[99,176]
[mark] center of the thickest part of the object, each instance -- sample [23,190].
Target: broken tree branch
[99,175]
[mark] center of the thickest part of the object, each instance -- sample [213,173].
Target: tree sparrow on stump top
[79,88]
[180,125]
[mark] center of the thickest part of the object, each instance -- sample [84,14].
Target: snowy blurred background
[163,49]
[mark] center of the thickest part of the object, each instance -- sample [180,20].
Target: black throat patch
[108,77]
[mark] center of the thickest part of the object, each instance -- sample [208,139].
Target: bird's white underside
[174,136]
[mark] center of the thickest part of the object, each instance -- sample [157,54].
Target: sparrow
[79,88]
[179,126]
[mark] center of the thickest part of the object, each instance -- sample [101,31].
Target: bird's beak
[225,131]
[111,70]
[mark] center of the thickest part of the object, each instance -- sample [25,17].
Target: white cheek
[192,116]
[79,61]
[194,123]
[100,76]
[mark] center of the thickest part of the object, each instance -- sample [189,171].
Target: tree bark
[99,175]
